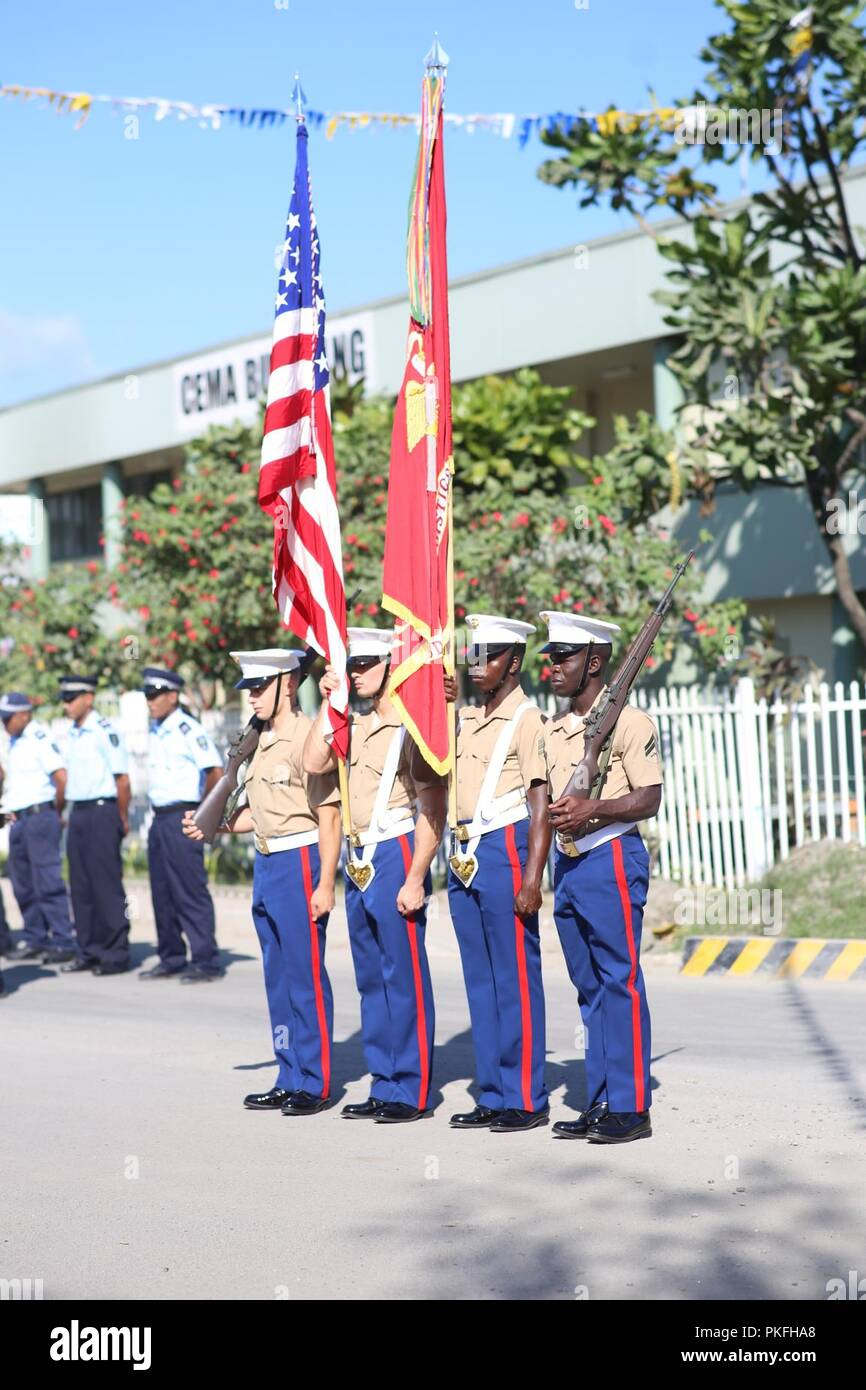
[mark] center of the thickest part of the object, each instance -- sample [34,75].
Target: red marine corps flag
[418,533]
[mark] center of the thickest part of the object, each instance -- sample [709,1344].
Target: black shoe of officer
[479,1118]
[109,969]
[57,955]
[512,1121]
[73,966]
[160,972]
[396,1112]
[579,1128]
[198,975]
[367,1110]
[302,1103]
[25,952]
[273,1099]
[620,1127]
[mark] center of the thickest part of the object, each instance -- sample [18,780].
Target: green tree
[772,348]
[55,625]
[195,577]
[536,525]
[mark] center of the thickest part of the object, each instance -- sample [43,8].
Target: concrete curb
[797,958]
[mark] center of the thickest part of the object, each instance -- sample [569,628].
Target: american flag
[297,481]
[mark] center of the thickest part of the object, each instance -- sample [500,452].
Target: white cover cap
[489,630]
[370,641]
[262,665]
[574,630]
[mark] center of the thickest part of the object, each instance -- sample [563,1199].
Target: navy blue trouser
[182,904]
[393,978]
[300,1001]
[598,908]
[501,956]
[34,868]
[5,934]
[96,882]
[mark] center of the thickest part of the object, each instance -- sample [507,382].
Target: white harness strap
[384,824]
[492,812]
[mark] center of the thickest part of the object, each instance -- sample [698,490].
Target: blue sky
[121,252]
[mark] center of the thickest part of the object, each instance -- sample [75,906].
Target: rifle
[586,781]
[215,809]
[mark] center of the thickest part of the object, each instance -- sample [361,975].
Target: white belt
[375,837]
[281,842]
[572,848]
[463,861]
[476,828]
[361,870]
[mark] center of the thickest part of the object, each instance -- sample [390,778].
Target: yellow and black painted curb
[809,957]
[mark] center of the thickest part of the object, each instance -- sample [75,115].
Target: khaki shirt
[369,742]
[634,759]
[477,736]
[282,797]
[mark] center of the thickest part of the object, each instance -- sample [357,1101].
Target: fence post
[754,837]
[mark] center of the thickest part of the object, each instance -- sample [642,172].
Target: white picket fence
[747,780]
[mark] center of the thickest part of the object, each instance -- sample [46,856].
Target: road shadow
[833,1061]
[27,973]
[538,1234]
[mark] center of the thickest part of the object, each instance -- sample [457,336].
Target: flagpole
[451,669]
[299,98]
[436,62]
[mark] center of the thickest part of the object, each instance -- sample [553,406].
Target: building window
[74,523]
[143,484]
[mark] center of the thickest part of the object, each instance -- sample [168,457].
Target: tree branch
[837,185]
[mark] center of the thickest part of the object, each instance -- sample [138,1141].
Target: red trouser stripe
[423,1059]
[637,1041]
[520,947]
[317,975]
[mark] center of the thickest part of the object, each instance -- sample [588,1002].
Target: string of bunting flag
[505,125]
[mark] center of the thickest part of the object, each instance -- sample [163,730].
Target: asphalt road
[129,1169]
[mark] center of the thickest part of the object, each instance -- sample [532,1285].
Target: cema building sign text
[219,387]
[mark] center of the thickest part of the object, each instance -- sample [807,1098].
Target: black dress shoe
[302,1103]
[479,1118]
[160,972]
[620,1127]
[510,1121]
[72,966]
[57,956]
[579,1128]
[273,1099]
[109,969]
[197,975]
[25,952]
[396,1112]
[367,1110]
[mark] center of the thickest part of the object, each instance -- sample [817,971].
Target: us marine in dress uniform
[33,800]
[98,787]
[494,884]
[601,881]
[295,819]
[388,881]
[183,765]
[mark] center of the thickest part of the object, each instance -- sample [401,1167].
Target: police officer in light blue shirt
[183,765]
[33,799]
[98,787]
